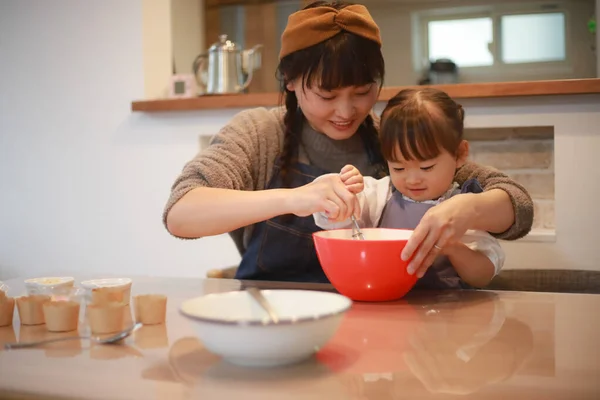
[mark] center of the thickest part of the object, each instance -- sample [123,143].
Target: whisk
[356,232]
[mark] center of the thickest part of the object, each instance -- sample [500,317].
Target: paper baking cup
[61,316]
[150,309]
[122,287]
[7,309]
[31,310]
[105,295]
[7,334]
[106,318]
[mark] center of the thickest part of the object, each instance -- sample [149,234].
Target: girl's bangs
[419,136]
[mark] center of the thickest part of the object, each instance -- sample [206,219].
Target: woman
[255,180]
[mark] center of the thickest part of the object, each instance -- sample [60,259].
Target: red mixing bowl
[365,270]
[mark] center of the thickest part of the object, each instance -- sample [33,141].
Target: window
[533,38]
[464,41]
[493,38]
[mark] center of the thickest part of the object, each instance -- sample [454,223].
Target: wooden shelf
[457,91]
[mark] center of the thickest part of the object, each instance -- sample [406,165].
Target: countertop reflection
[476,344]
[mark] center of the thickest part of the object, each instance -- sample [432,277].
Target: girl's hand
[441,226]
[326,194]
[352,178]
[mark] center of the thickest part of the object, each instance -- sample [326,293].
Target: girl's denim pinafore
[404,214]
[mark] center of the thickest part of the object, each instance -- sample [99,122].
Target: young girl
[422,141]
[255,180]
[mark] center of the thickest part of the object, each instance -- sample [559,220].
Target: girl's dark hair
[420,123]
[344,60]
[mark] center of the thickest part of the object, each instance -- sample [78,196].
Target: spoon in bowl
[96,339]
[264,303]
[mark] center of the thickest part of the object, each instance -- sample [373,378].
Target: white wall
[83,181]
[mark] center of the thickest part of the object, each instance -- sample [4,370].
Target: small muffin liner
[150,309]
[107,290]
[7,306]
[107,317]
[7,335]
[31,310]
[111,294]
[61,316]
[7,309]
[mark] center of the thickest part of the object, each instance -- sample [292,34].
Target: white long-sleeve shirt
[377,193]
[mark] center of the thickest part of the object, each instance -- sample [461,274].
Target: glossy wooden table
[479,345]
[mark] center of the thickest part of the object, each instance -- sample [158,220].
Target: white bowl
[125,283]
[40,285]
[235,327]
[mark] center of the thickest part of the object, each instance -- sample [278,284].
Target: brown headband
[311,26]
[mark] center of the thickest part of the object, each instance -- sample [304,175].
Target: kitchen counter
[479,344]
[457,91]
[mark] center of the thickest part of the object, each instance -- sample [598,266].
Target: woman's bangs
[348,61]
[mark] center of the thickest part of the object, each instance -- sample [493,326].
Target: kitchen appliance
[443,71]
[222,70]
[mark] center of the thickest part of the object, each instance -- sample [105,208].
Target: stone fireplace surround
[527,155]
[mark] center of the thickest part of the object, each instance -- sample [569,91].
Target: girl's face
[430,179]
[337,113]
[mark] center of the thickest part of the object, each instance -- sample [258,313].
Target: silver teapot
[222,70]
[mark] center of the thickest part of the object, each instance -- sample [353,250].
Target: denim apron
[403,214]
[282,248]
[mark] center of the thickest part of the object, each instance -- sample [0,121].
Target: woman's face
[337,113]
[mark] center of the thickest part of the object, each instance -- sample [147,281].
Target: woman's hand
[325,194]
[442,225]
[352,178]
